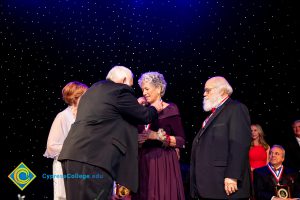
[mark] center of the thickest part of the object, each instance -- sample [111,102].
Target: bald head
[221,83]
[120,74]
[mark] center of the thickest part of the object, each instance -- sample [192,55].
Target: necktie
[206,120]
[213,110]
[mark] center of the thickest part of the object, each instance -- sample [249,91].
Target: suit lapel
[214,115]
[296,144]
[270,174]
[283,179]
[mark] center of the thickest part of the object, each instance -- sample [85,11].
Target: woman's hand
[142,138]
[147,135]
[152,135]
[142,101]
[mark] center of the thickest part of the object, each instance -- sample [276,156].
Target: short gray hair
[296,121]
[279,147]
[118,73]
[154,78]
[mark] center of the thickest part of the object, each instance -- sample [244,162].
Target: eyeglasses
[208,90]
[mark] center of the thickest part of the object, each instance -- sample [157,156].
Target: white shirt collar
[298,140]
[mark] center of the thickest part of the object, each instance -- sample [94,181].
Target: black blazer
[220,150]
[264,182]
[104,133]
[292,155]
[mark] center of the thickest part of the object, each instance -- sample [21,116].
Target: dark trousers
[86,182]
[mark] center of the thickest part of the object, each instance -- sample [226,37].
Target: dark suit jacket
[220,150]
[292,155]
[264,182]
[104,133]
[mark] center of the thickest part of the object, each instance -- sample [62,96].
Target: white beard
[209,104]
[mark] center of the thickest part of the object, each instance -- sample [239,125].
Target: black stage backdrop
[45,44]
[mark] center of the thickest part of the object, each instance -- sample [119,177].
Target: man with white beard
[219,160]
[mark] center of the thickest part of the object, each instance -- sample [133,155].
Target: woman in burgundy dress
[159,168]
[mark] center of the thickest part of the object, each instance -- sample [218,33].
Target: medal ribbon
[278,174]
[147,127]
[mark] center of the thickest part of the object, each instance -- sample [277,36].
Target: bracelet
[168,140]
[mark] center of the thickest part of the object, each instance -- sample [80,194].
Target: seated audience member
[275,181]
[292,147]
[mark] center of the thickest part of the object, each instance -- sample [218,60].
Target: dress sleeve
[57,135]
[178,131]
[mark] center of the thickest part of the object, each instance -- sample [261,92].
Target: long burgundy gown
[159,168]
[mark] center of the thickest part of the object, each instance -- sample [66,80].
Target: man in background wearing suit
[219,159]
[292,148]
[266,178]
[102,145]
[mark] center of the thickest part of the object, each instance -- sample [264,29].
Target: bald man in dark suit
[219,161]
[103,141]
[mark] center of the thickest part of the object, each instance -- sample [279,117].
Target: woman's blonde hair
[261,136]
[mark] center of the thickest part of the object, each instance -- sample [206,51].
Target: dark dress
[159,168]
